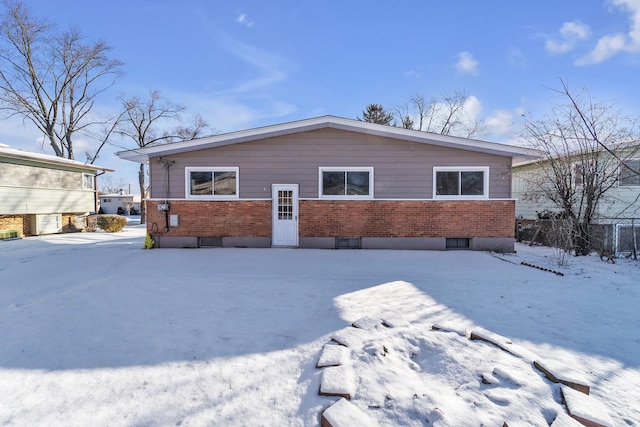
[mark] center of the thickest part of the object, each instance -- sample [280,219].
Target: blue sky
[244,64]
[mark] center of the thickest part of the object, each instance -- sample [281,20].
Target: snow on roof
[6,151]
[135,197]
[142,155]
[117,195]
[612,147]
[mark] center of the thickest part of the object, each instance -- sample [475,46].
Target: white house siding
[526,208]
[30,187]
[18,200]
[618,202]
[109,203]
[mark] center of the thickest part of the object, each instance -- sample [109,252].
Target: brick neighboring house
[42,194]
[331,182]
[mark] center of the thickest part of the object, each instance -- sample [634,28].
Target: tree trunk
[143,208]
[53,141]
[582,240]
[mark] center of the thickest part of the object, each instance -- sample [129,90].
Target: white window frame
[622,166]
[484,169]
[322,169]
[91,177]
[212,169]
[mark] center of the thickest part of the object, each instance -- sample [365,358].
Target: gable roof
[142,155]
[14,153]
[608,149]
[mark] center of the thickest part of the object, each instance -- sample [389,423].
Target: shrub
[111,223]
[149,243]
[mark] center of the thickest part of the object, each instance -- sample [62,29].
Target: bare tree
[145,123]
[590,122]
[446,115]
[577,169]
[109,185]
[52,78]
[196,128]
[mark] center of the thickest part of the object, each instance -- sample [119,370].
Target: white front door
[285,215]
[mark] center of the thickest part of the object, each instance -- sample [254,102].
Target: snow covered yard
[96,331]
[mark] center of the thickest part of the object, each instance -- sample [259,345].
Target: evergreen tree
[407,122]
[375,113]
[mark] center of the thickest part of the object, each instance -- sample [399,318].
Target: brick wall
[323,218]
[242,218]
[21,223]
[377,218]
[69,223]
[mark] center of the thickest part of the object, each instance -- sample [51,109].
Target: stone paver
[345,414]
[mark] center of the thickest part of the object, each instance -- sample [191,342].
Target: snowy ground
[96,331]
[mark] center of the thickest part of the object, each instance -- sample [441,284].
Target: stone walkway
[338,377]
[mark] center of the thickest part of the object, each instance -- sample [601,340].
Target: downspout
[95,190]
[167,165]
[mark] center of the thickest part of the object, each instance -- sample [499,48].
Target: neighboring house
[618,212]
[120,203]
[331,182]
[42,194]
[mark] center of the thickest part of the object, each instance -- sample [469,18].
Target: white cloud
[606,47]
[571,33]
[271,68]
[516,58]
[244,103]
[610,45]
[230,112]
[503,123]
[472,108]
[500,122]
[466,63]
[242,19]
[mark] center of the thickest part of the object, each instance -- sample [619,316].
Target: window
[212,183]
[87,181]
[586,172]
[346,183]
[457,243]
[461,182]
[629,173]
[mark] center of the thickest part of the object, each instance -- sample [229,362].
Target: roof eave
[142,155]
[53,161]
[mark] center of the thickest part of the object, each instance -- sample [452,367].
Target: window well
[457,243]
[210,242]
[348,243]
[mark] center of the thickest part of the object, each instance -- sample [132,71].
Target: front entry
[285,215]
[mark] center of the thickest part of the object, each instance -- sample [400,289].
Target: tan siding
[401,169]
[35,176]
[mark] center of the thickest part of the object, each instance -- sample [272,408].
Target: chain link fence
[618,236]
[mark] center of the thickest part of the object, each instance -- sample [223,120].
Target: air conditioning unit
[46,224]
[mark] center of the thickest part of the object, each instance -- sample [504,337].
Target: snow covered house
[331,182]
[43,194]
[120,203]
